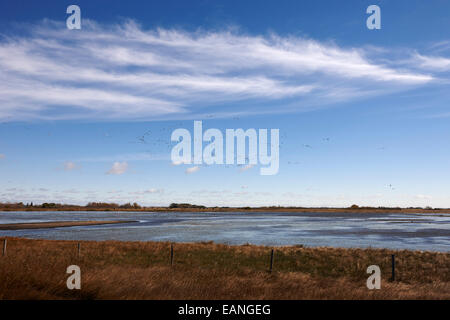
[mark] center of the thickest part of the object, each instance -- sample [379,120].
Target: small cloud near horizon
[192,170]
[423,197]
[118,168]
[148,191]
[69,166]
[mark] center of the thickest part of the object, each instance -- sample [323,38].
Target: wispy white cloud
[69,166]
[137,156]
[148,191]
[435,63]
[118,168]
[178,163]
[154,190]
[71,191]
[192,169]
[438,115]
[126,72]
[423,197]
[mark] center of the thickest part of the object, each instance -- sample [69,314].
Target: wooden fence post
[4,247]
[271,261]
[79,249]
[171,254]
[393,267]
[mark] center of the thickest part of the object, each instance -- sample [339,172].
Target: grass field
[36,269]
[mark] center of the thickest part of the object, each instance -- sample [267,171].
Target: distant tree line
[356,207]
[113,205]
[135,206]
[50,205]
[185,205]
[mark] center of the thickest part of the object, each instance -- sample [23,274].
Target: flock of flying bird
[144,139]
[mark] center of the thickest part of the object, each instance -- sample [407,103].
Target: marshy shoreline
[56,224]
[361,210]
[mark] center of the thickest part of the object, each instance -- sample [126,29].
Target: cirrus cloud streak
[126,72]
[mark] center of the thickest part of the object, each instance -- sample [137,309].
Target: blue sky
[86,115]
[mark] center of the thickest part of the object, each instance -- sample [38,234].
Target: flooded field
[378,230]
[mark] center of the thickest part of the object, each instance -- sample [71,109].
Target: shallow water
[380,230]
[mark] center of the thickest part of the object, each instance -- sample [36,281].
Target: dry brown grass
[36,269]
